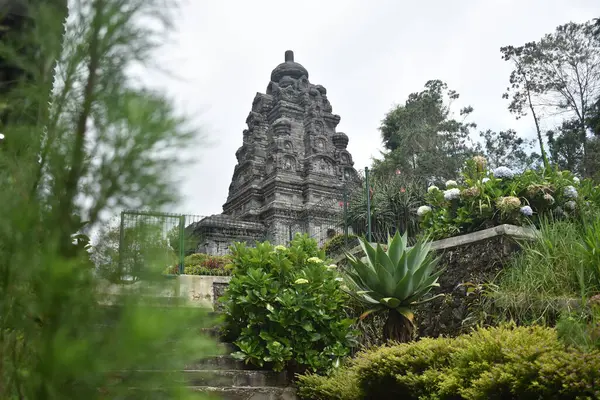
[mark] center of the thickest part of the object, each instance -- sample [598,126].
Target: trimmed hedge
[506,362]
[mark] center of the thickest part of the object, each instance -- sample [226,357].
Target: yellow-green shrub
[506,362]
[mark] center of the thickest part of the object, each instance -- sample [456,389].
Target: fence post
[181,243]
[345,199]
[121,241]
[367,188]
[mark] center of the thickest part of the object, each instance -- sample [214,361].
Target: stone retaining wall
[196,290]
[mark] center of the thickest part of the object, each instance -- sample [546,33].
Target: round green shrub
[285,309]
[505,362]
[336,245]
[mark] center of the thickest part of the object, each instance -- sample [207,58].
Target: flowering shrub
[483,199]
[284,307]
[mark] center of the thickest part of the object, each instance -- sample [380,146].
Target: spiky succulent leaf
[404,288]
[424,272]
[391,302]
[417,256]
[369,312]
[366,272]
[396,248]
[369,251]
[437,296]
[384,259]
[384,272]
[407,313]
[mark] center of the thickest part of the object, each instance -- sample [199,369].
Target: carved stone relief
[320,144]
[289,163]
[318,128]
[324,166]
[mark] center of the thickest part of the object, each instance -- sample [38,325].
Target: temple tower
[291,156]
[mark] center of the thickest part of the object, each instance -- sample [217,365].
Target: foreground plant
[79,150]
[394,281]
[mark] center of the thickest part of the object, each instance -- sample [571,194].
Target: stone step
[224,362]
[224,378]
[249,393]
[235,378]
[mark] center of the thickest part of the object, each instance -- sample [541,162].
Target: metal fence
[157,237]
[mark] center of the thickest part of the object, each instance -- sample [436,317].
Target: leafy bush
[284,308]
[336,245]
[204,264]
[489,198]
[505,362]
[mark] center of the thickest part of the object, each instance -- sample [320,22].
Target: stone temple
[291,160]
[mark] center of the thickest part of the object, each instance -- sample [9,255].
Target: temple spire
[289,56]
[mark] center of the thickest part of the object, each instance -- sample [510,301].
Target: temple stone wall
[218,232]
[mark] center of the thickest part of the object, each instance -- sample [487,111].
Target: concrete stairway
[230,379]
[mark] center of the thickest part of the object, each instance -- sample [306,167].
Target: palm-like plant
[393,280]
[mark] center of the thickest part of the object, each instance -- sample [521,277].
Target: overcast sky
[369,54]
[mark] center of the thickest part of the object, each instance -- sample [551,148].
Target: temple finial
[289,56]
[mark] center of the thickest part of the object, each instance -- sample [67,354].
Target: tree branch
[65,217]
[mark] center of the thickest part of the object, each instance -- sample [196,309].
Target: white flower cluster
[527,211]
[570,205]
[452,194]
[503,172]
[423,210]
[576,180]
[571,192]
[451,184]
[432,188]
[485,180]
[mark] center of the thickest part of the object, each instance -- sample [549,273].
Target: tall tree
[523,90]
[423,138]
[559,74]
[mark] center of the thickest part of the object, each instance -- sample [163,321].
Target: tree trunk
[397,328]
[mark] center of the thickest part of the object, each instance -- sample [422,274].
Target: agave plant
[393,280]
